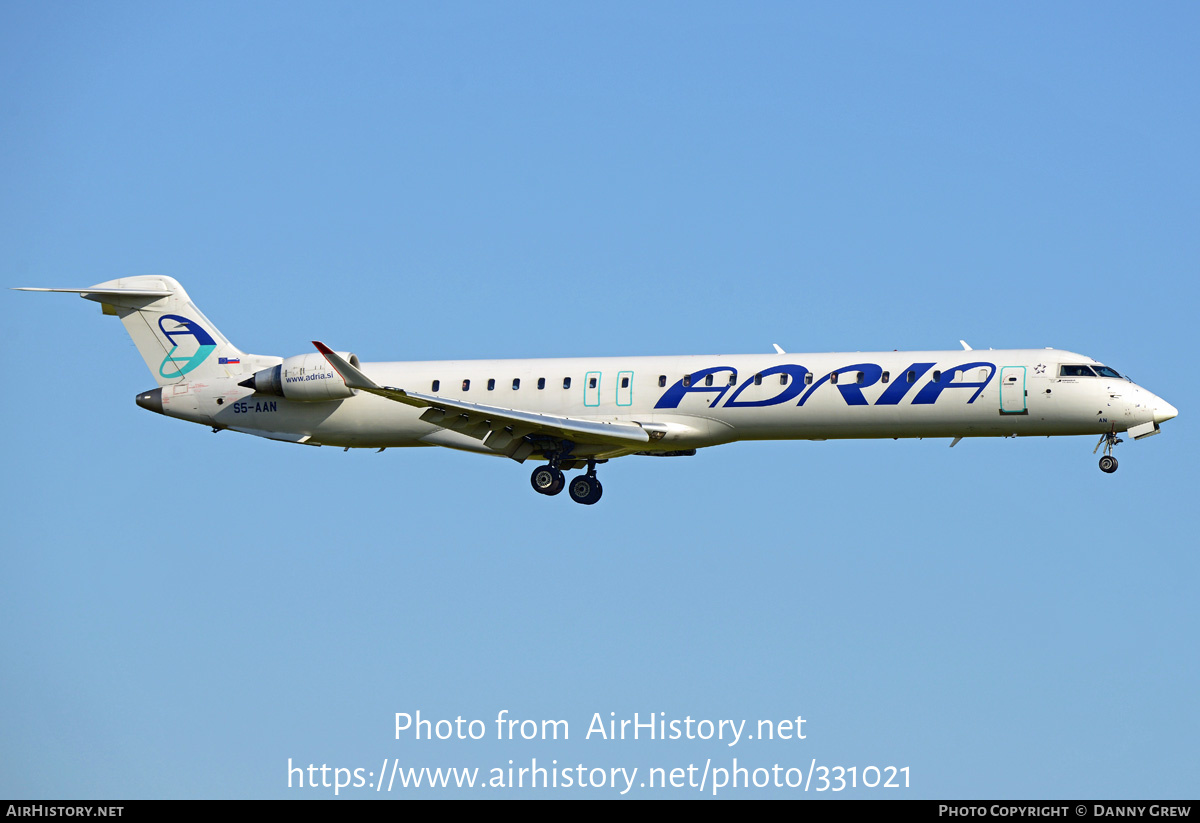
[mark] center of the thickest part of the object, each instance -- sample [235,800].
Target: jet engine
[303,377]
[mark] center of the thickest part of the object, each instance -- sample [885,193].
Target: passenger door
[1012,390]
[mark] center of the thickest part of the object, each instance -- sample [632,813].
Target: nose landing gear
[1108,463]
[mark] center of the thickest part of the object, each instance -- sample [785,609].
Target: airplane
[575,413]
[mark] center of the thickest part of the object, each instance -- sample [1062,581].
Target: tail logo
[196,350]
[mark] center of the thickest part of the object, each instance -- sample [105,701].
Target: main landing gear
[585,489]
[549,480]
[1108,463]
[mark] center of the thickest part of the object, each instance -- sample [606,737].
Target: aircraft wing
[501,429]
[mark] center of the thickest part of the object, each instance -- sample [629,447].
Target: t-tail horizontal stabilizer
[95,293]
[178,343]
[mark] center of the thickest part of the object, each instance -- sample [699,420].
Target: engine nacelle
[303,377]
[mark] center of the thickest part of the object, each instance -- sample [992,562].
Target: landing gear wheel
[547,480]
[1108,463]
[585,489]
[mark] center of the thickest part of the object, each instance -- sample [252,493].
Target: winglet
[353,378]
[964,345]
[778,349]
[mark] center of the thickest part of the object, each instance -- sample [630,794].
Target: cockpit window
[1075,371]
[1105,371]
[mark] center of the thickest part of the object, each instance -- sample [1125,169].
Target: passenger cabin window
[466,385]
[862,378]
[708,379]
[1075,371]
[886,377]
[624,382]
[437,384]
[541,383]
[733,379]
[912,377]
[662,380]
[687,380]
[808,378]
[591,382]
[516,383]
[783,379]
[937,377]
[833,378]
[566,382]
[491,384]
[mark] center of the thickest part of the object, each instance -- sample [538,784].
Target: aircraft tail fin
[174,337]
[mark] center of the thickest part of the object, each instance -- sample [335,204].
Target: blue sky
[183,612]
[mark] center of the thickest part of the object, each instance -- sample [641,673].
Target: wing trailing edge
[501,429]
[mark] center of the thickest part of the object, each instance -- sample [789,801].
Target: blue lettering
[851,392]
[901,386]
[794,387]
[851,389]
[931,390]
[672,396]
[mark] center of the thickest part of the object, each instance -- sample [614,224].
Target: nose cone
[1163,410]
[152,400]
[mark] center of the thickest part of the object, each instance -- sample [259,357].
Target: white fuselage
[697,401]
[575,413]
